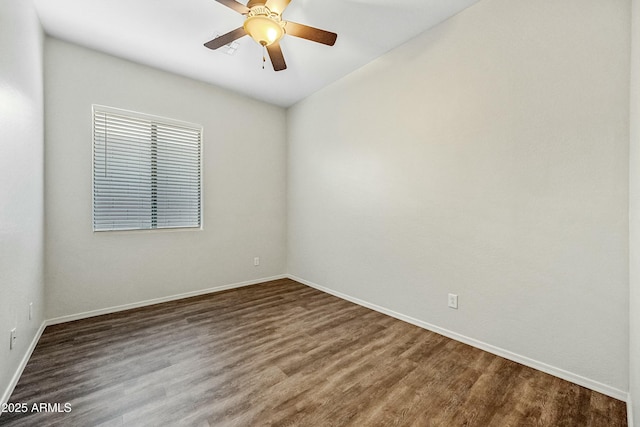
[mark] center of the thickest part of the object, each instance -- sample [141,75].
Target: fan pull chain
[264,55]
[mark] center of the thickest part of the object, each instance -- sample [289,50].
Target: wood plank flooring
[283,354]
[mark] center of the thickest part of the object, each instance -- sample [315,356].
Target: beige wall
[21,185]
[243,187]
[634,223]
[488,157]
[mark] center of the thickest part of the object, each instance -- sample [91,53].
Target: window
[146,171]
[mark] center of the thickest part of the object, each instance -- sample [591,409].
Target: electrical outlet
[12,340]
[453,301]
[256,261]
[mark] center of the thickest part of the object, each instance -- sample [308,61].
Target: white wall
[488,157]
[634,220]
[21,183]
[243,188]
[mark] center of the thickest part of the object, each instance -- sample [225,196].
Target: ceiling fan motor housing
[275,6]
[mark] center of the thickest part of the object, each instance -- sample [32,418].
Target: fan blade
[277,6]
[310,33]
[277,58]
[232,4]
[226,38]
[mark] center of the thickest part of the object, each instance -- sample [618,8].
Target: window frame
[151,118]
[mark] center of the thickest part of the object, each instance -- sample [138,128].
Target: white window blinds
[146,171]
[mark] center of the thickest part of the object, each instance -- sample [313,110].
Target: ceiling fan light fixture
[263,29]
[263,22]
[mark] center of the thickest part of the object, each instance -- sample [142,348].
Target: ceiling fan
[265,25]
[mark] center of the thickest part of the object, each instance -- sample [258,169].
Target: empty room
[320,213]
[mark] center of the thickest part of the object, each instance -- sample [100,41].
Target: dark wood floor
[283,354]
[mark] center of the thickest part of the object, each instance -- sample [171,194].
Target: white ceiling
[169,35]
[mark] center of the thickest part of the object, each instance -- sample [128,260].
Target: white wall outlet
[256,261]
[30,310]
[453,301]
[12,340]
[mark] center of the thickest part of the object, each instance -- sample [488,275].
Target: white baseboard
[23,363]
[560,373]
[110,310]
[552,370]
